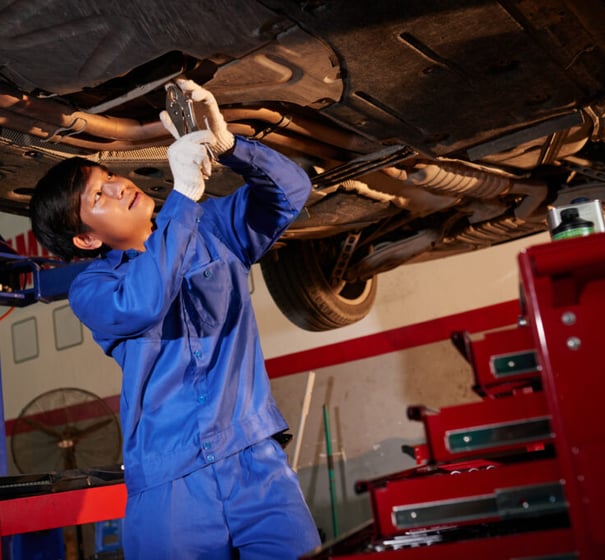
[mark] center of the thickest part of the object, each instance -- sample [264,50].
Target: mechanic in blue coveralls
[170,302]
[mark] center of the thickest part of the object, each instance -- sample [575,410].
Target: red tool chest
[518,474]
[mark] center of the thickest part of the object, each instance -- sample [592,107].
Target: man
[169,302]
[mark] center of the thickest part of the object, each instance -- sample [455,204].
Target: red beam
[477,320]
[62,509]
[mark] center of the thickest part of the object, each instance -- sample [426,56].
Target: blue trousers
[248,506]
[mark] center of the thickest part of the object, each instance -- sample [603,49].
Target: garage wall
[366,394]
[367,401]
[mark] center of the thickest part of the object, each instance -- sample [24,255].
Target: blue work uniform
[204,476]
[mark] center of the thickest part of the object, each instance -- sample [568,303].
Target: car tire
[296,276]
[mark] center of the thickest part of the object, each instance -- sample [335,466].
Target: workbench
[61,509]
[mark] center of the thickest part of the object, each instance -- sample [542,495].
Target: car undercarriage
[428,128]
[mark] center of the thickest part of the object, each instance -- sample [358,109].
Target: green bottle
[572,225]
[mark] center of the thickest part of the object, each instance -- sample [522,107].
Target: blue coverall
[204,476]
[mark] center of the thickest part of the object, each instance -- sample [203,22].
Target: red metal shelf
[541,416]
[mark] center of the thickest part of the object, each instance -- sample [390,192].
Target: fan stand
[66,429]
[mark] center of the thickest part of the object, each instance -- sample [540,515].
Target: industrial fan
[66,430]
[63,429]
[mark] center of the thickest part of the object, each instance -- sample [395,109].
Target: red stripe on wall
[76,412]
[476,320]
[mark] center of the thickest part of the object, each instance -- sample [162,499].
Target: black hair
[55,208]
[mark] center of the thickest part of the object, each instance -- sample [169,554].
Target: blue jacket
[179,320]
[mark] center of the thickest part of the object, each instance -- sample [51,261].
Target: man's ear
[87,241]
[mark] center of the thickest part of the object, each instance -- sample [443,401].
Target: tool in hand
[180,109]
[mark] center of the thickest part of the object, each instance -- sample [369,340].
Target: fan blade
[96,426]
[42,427]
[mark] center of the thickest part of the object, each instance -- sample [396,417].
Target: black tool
[180,108]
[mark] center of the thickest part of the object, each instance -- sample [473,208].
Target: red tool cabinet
[519,474]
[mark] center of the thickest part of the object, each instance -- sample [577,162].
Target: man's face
[116,212]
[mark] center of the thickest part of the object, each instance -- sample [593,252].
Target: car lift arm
[26,280]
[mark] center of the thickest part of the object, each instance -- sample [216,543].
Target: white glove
[207,108]
[189,160]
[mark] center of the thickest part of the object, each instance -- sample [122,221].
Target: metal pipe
[303,420]
[302,126]
[455,180]
[25,125]
[62,117]
[331,478]
[56,122]
[293,143]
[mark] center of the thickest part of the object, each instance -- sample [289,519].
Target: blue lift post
[24,281]
[3,456]
[50,281]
